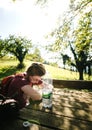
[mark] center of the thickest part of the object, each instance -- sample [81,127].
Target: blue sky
[26,19]
[9,22]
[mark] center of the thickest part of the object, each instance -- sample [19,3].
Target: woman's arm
[31,93]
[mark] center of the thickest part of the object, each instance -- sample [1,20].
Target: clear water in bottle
[47,97]
[47,92]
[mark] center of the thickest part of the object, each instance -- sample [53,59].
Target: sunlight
[34,127]
[31,20]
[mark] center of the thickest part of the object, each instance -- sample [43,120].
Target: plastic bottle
[47,92]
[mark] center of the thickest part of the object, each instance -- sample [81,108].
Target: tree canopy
[18,47]
[75,32]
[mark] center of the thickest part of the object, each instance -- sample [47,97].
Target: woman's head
[35,72]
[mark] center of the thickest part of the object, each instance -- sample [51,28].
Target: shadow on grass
[8,71]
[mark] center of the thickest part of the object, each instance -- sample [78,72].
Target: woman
[21,86]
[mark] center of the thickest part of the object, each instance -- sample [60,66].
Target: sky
[24,18]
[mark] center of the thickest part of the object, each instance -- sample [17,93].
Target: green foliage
[77,6]
[18,47]
[35,56]
[83,42]
[83,33]
[41,2]
[77,37]
[2,49]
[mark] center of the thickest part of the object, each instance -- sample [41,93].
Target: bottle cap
[27,124]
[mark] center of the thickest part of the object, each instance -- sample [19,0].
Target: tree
[2,48]
[65,58]
[78,36]
[18,47]
[80,61]
[35,56]
[83,43]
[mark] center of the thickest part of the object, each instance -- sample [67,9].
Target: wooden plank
[66,111]
[54,121]
[78,106]
[17,124]
[73,94]
[77,99]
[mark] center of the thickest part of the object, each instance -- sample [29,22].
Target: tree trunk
[20,65]
[80,74]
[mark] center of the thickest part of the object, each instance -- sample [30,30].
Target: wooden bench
[75,84]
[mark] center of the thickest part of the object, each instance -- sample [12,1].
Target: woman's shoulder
[20,75]
[19,80]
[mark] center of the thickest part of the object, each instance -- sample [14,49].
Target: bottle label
[47,96]
[47,100]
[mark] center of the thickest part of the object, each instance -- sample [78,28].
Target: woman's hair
[36,69]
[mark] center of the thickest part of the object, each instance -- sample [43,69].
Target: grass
[58,73]
[8,67]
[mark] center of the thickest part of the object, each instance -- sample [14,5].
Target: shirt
[15,89]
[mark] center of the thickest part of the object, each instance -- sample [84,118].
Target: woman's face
[35,79]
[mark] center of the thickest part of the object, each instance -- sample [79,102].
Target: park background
[55,33]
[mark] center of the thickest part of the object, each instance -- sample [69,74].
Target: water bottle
[47,93]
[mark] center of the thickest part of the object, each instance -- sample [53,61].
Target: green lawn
[8,67]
